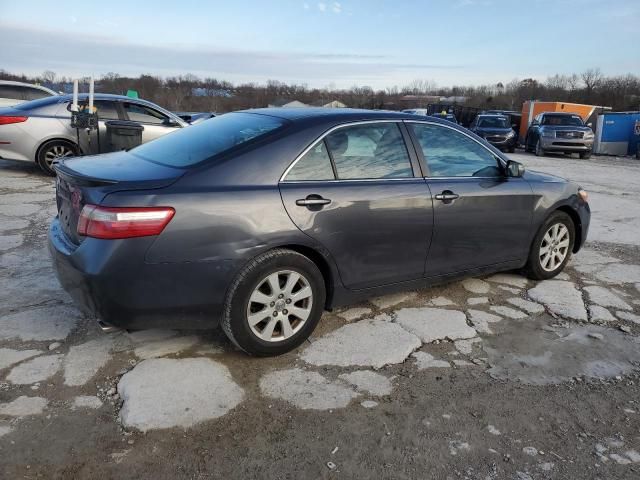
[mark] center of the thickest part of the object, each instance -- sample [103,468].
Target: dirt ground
[488,378]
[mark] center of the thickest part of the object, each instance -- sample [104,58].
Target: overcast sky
[377,43]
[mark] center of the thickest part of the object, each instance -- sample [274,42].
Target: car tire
[49,152]
[585,155]
[512,149]
[552,247]
[539,150]
[259,316]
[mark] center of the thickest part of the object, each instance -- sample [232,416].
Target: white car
[13,93]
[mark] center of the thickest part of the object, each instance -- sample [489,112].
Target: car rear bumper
[109,280]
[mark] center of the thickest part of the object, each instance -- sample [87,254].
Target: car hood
[534,176]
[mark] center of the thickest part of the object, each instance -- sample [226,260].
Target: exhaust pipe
[106,328]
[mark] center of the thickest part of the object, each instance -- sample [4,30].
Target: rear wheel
[539,149]
[274,304]
[551,248]
[51,152]
[585,155]
[512,149]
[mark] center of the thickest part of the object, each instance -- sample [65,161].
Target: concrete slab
[368,343]
[164,393]
[24,406]
[306,390]
[605,298]
[9,357]
[38,324]
[35,370]
[83,361]
[431,324]
[560,297]
[370,382]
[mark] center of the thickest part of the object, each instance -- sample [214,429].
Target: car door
[358,192]
[533,133]
[155,123]
[481,216]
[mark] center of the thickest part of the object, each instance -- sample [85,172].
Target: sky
[376,43]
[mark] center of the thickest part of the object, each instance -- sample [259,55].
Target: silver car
[40,131]
[13,93]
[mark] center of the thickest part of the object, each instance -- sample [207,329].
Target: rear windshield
[572,120]
[197,143]
[493,122]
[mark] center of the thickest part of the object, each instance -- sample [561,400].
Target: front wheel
[551,248]
[274,303]
[539,149]
[585,155]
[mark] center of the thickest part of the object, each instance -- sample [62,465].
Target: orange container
[532,108]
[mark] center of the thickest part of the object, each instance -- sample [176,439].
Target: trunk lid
[88,180]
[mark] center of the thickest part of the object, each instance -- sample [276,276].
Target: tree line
[191,93]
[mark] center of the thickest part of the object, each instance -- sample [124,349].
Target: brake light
[123,222]
[7,120]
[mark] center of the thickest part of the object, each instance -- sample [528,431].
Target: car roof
[331,114]
[29,85]
[561,113]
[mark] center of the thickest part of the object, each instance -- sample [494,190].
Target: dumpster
[122,135]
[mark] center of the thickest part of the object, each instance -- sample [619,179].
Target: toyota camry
[260,220]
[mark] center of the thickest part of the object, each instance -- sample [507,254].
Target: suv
[13,93]
[559,132]
[496,130]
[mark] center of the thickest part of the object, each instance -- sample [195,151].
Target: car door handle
[312,201]
[447,196]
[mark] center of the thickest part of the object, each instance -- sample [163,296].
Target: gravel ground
[487,378]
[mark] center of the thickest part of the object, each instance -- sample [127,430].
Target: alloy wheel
[55,152]
[554,247]
[279,306]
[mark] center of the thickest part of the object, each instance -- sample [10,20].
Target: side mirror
[515,169]
[170,122]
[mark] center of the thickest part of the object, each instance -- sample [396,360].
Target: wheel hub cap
[554,247]
[279,306]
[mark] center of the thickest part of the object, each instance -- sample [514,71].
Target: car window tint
[313,165]
[189,146]
[35,93]
[369,151]
[450,153]
[143,114]
[11,91]
[106,110]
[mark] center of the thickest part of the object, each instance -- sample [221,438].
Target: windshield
[196,143]
[569,120]
[493,122]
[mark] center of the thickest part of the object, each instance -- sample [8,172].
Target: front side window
[493,122]
[106,110]
[189,146]
[369,151]
[143,114]
[450,153]
[313,165]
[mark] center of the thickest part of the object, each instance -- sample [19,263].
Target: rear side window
[12,92]
[313,165]
[35,94]
[369,151]
[194,144]
[106,110]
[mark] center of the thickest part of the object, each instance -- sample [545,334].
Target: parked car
[260,220]
[14,93]
[450,117]
[41,130]
[496,130]
[515,118]
[195,117]
[559,132]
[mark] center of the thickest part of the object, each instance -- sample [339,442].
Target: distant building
[328,104]
[287,103]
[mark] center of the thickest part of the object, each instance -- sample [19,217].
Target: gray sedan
[260,220]
[40,131]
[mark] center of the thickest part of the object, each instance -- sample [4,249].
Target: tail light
[7,120]
[123,222]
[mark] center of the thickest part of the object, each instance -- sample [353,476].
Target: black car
[496,130]
[561,133]
[260,220]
